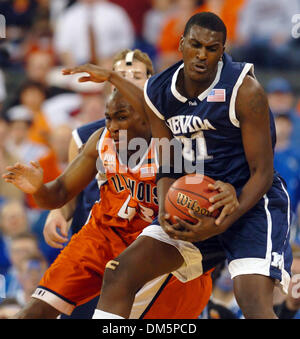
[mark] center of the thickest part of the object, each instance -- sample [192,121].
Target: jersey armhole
[100,166]
[150,104]
[248,69]
[77,138]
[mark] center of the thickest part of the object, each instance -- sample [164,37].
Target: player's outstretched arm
[133,94]
[61,190]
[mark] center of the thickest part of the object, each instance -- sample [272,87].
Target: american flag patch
[216,95]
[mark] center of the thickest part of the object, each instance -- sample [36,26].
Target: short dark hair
[206,20]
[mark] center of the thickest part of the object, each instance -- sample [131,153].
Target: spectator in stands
[136,10]
[6,158]
[282,101]
[21,246]
[13,221]
[92,108]
[32,96]
[92,31]
[19,142]
[31,270]
[19,16]
[286,155]
[222,304]
[9,307]
[228,11]
[2,89]
[172,31]
[264,33]
[39,67]
[290,307]
[154,20]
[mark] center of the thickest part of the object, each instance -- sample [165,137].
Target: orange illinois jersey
[128,196]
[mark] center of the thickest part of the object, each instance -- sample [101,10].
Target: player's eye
[122,118]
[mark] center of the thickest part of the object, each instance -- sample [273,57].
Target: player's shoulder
[250,88]
[251,97]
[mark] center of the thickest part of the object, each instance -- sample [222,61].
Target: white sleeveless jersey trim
[232,114]
[77,138]
[150,104]
[99,163]
[100,141]
[174,91]
[202,95]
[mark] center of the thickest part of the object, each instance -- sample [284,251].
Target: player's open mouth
[201,68]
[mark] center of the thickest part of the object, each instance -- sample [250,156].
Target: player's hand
[28,179]
[226,198]
[56,221]
[96,73]
[205,228]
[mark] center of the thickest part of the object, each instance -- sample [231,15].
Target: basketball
[189,194]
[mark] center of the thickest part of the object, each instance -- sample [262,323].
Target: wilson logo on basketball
[193,205]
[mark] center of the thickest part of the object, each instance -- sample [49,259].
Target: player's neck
[191,88]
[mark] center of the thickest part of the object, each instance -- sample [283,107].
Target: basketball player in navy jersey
[220,112]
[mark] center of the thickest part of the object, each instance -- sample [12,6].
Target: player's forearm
[163,186]
[68,209]
[256,187]
[52,195]
[133,94]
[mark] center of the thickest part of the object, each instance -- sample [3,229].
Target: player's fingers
[8,175]
[221,195]
[74,70]
[53,243]
[54,236]
[12,168]
[184,224]
[35,164]
[85,79]
[216,186]
[64,229]
[178,235]
[211,187]
[225,211]
[8,180]
[219,204]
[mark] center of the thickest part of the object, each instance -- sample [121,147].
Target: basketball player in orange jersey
[128,203]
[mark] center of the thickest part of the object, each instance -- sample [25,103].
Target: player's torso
[207,125]
[128,197]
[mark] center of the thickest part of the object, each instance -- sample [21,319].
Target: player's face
[137,72]
[124,124]
[201,49]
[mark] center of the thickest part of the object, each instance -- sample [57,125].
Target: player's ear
[181,42]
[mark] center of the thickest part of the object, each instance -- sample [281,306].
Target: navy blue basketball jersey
[90,194]
[206,125]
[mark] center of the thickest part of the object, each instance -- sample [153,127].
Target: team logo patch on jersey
[216,95]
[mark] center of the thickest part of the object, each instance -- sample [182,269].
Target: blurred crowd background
[40,107]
